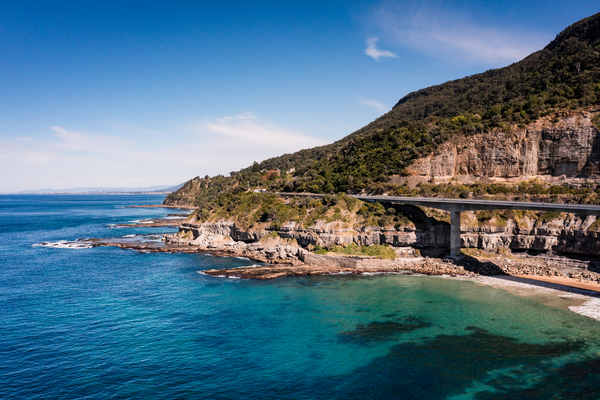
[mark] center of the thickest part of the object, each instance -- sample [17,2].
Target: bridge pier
[454,233]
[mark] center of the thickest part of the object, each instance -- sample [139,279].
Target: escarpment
[563,151]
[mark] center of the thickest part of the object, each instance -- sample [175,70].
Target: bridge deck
[473,205]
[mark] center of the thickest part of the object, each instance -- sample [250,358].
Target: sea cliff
[564,148]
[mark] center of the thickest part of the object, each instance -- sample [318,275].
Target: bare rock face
[568,149]
[566,234]
[429,233]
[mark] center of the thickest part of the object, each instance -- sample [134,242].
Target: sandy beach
[560,293]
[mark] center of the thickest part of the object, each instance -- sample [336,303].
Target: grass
[595,227]
[384,252]
[272,235]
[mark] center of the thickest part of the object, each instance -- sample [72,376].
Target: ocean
[108,323]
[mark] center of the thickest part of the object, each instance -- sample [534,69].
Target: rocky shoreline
[286,258]
[283,256]
[153,223]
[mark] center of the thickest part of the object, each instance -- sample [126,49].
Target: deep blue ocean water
[104,322]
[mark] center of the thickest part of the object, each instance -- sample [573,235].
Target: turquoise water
[110,323]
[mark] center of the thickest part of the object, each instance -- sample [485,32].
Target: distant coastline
[163,189]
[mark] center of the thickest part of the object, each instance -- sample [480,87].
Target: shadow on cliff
[433,235]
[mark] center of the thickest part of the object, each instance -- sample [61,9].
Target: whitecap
[371,273]
[129,236]
[64,244]
[114,226]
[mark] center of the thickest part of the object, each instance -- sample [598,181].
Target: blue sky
[141,93]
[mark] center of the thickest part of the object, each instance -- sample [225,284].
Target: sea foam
[64,244]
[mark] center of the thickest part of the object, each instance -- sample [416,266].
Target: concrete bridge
[456,206]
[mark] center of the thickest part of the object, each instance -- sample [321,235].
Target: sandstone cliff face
[567,234]
[566,150]
[434,235]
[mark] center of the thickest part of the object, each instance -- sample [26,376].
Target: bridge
[456,206]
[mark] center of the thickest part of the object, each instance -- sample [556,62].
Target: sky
[142,93]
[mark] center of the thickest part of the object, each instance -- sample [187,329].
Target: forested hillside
[565,75]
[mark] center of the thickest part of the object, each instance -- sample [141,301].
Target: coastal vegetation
[249,210]
[383,252]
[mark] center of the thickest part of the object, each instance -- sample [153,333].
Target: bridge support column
[454,233]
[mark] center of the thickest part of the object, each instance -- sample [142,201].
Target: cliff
[524,231]
[563,149]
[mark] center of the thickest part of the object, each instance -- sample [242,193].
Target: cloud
[250,134]
[246,115]
[450,35]
[375,104]
[86,142]
[63,158]
[373,51]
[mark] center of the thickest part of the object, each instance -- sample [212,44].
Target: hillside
[539,93]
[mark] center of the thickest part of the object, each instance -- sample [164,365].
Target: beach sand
[583,299]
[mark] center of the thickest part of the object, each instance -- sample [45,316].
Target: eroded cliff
[524,231]
[556,149]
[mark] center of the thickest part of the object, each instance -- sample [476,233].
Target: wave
[129,236]
[64,244]
[141,221]
[219,276]
[114,226]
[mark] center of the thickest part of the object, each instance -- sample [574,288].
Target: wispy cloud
[374,52]
[453,36]
[86,142]
[65,158]
[375,104]
[249,134]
